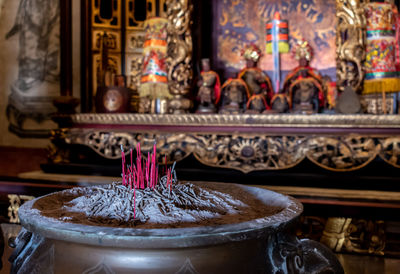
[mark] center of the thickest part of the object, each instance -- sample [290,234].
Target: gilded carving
[15,202]
[113,40]
[179,53]
[244,152]
[350,43]
[341,153]
[114,21]
[215,144]
[57,151]
[249,153]
[390,151]
[134,65]
[366,237]
[334,233]
[135,41]
[349,235]
[108,144]
[131,20]
[172,147]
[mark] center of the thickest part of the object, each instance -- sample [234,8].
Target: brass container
[263,245]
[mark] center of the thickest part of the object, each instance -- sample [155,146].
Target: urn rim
[32,220]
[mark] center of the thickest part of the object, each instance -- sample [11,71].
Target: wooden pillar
[66,103]
[66,47]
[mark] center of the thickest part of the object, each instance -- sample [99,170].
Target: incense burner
[263,245]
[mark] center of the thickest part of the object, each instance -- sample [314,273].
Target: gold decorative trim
[390,151]
[350,43]
[15,202]
[180,46]
[243,120]
[342,153]
[113,40]
[113,22]
[341,234]
[244,152]
[250,153]
[334,234]
[355,236]
[365,237]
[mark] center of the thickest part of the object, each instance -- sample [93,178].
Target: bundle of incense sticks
[145,173]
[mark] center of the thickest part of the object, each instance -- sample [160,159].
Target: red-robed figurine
[209,89]
[258,84]
[302,78]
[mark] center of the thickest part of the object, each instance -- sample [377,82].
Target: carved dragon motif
[350,43]
[179,52]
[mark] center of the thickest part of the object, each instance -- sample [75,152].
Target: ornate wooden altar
[243,142]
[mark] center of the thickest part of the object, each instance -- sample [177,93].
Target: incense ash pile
[117,204]
[148,198]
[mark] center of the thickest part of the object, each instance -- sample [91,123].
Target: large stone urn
[264,245]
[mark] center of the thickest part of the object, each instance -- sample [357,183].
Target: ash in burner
[146,200]
[118,204]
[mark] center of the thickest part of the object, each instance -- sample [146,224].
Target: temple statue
[209,89]
[304,95]
[257,103]
[258,84]
[280,103]
[234,96]
[303,85]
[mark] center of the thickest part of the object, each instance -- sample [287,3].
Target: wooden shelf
[242,142]
[379,125]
